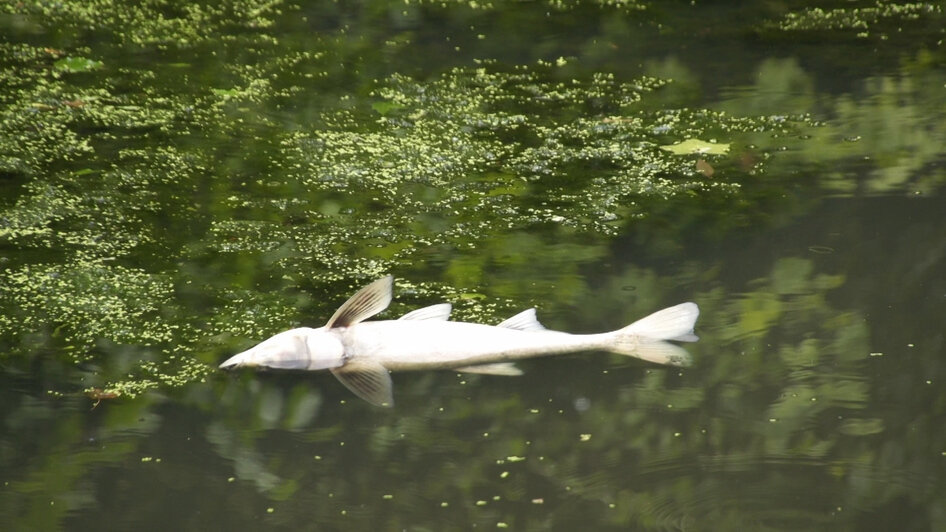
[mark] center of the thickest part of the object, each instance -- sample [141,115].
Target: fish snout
[238,360]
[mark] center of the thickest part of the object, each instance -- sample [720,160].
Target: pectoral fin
[368,380]
[367,302]
[506,369]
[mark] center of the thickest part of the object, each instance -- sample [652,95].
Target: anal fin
[367,379]
[506,369]
[660,352]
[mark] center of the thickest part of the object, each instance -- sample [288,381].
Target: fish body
[417,345]
[362,353]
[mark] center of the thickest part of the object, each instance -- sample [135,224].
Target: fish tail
[647,337]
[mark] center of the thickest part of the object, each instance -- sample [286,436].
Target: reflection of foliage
[547,453]
[885,134]
[43,493]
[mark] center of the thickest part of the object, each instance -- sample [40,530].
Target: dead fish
[361,354]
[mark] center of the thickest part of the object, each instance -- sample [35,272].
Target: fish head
[302,348]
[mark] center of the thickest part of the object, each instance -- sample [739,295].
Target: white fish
[361,354]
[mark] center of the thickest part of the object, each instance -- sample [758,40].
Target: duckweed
[159,23]
[562,5]
[858,18]
[88,301]
[137,183]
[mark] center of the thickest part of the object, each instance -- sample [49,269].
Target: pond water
[180,181]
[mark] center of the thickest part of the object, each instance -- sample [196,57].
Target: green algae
[171,220]
[560,5]
[862,19]
[158,23]
[90,301]
[449,163]
[479,141]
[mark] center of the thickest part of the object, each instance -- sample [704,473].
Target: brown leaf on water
[747,161]
[98,395]
[705,168]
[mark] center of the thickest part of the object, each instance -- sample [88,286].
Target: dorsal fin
[433,312]
[524,321]
[367,379]
[367,302]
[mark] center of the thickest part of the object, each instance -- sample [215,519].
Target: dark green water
[180,181]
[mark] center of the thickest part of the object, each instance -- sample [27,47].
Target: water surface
[181,181]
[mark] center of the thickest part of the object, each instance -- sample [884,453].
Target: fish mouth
[236,361]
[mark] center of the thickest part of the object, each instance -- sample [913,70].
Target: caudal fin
[645,338]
